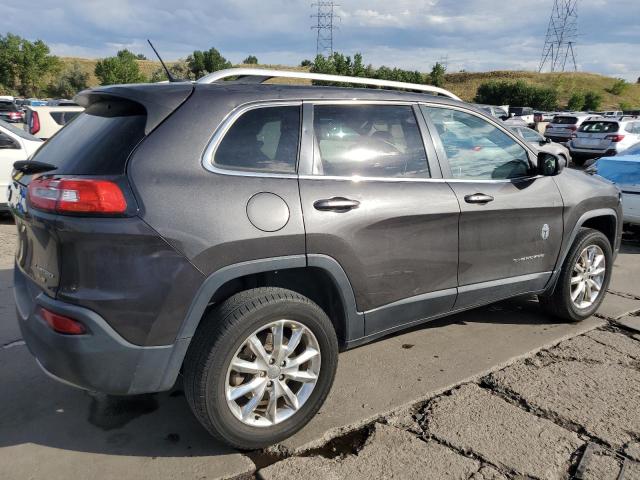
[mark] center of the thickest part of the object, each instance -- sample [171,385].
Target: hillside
[465,84]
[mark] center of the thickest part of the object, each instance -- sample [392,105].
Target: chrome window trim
[209,152]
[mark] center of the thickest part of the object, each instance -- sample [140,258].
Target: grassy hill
[463,84]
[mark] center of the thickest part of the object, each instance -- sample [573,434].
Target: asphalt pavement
[498,392]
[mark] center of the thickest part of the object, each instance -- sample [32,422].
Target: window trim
[307,161]
[442,156]
[209,152]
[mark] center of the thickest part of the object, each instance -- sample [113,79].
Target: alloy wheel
[587,276]
[273,373]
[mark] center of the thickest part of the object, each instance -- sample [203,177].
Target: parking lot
[535,393]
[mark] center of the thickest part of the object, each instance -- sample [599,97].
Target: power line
[560,40]
[326,24]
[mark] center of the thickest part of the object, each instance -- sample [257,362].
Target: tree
[592,100]
[208,61]
[618,87]
[180,70]
[123,68]
[140,56]
[25,66]
[576,102]
[308,63]
[437,75]
[72,80]
[518,93]
[251,60]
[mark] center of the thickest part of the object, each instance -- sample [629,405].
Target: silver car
[562,127]
[604,136]
[542,144]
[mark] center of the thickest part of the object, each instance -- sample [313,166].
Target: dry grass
[464,85]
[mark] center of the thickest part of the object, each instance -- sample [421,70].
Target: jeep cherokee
[242,233]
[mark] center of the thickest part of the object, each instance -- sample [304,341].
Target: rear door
[511,219]
[373,199]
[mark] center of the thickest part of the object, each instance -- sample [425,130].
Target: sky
[474,35]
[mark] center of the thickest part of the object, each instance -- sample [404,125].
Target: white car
[44,121]
[604,136]
[15,145]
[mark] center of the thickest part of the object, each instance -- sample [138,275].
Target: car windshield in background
[19,132]
[599,127]
[565,120]
[621,172]
[8,107]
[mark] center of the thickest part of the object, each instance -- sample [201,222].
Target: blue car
[624,171]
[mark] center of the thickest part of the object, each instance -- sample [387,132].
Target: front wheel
[584,278]
[260,367]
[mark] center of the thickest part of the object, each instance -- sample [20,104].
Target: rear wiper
[29,168]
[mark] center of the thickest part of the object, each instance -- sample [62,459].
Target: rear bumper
[591,153]
[100,360]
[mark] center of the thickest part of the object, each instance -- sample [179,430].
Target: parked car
[494,111]
[563,126]
[272,225]
[524,113]
[539,117]
[9,112]
[612,113]
[34,102]
[61,102]
[516,122]
[604,136]
[624,171]
[540,143]
[44,121]
[15,144]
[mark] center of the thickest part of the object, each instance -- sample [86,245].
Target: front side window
[476,149]
[368,141]
[263,139]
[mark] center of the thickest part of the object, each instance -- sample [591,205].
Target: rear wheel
[584,278]
[260,367]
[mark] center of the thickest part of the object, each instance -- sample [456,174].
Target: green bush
[123,68]
[518,93]
[576,102]
[618,87]
[592,100]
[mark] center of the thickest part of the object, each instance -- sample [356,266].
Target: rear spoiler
[159,100]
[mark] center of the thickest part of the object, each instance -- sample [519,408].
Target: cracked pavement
[501,392]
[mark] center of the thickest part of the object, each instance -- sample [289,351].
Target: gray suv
[241,234]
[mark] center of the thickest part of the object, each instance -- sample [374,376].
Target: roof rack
[258,75]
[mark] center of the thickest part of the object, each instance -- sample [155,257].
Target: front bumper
[100,360]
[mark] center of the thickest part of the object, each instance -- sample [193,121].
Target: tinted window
[598,127]
[62,118]
[564,120]
[97,142]
[19,132]
[476,149]
[530,135]
[263,139]
[8,107]
[368,141]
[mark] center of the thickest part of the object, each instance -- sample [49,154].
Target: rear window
[599,127]
[561,120]
[62,118]
[98,141]
[8,107]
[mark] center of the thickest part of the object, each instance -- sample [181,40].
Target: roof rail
[258,75]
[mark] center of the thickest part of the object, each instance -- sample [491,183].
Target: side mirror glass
[548,140]
[549,164]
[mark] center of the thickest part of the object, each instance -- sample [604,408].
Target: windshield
[19,132]
[619,171]
[599,127]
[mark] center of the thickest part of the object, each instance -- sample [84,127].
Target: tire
[559,302]
[223,336]
[578,161]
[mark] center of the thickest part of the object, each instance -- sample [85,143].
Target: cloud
[474,34]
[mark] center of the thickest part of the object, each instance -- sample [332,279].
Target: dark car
[9,112]
[242,233]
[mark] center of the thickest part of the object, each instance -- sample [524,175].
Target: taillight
[75,195]
[62,324]
[14,115]
[614,138]
[34,124]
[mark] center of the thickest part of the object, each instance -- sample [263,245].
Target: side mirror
[504,117]
[549,164]
[547,140]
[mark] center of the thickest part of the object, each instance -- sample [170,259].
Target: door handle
[336,204]
[478,198]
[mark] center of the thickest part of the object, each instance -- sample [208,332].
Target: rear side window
[263,139]
[564,120]
[368,141]
[98,141]
[599,127]
[62,118]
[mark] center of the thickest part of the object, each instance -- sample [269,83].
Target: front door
[373,200]
[511,219]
